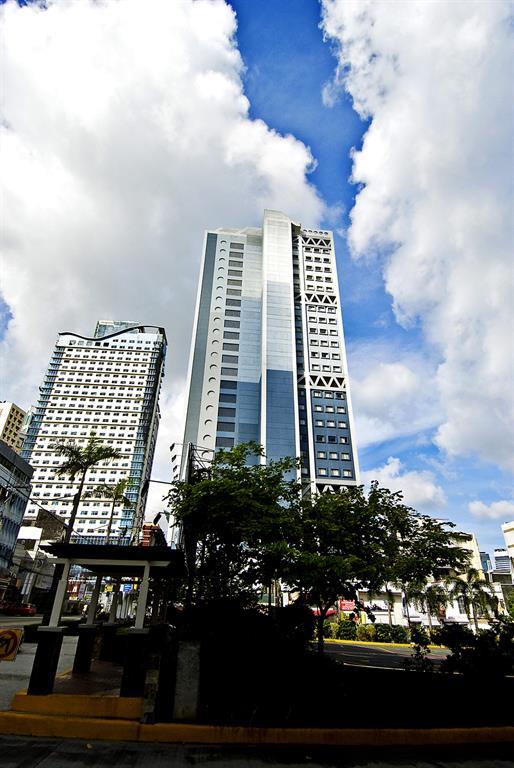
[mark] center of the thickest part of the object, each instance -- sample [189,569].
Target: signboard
[347,605]
[127,587]
[10,641]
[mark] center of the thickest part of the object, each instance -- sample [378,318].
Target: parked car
[20,610]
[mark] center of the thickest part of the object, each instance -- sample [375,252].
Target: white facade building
[508,535]
[268,358]
[108,385]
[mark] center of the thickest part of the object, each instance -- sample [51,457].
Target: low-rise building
[15,488]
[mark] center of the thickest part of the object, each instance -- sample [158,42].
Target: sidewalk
[15,675]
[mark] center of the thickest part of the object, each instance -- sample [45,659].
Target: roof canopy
[116,560]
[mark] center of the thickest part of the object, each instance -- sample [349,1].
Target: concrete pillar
[91,612]
[114,603]
[44,668]
[187,686]
[142,598]
[60,594]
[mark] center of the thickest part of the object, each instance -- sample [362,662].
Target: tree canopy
[246,524]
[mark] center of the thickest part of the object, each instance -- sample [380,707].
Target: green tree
[116,492]
[350,540]
[475,593]
[346,542]
[509,603]
[235,523]
[78,461]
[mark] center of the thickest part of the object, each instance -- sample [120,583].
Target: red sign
[347,605]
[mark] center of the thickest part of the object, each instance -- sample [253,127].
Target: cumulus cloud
[419,488]
[392,392]
[435,196]
[497,510]
[125,133]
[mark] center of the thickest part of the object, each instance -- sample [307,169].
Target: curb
[14,724]
[383,645]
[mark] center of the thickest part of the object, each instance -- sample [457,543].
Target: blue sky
[126,133]
[287,64]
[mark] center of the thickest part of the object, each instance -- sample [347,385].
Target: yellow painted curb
[16,724]
[80,705]
[376,642]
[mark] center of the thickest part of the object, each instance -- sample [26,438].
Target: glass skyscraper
[268,360]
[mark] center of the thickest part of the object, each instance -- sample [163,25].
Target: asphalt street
[384,656]
[52,753]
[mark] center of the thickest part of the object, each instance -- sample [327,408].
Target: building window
[230,412]
[229,359]
[320,438]
[322,471]
[321,454]
[229,371]
[224,442]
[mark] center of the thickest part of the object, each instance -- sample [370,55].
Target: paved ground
[51,753]
[15,675]
[18,621]
[378,655]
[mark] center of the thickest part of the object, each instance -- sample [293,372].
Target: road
[384,656]
[19,621]
[52,753]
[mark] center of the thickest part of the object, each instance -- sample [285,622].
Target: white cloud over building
[436,200]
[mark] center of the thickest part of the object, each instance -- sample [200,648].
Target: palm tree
[413,592]
[435,597]
[78,461]
[475,593]
[117,495]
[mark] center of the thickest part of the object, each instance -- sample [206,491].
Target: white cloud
[392,393]
[436,200]
[497,510]
[125,133]
[419,488]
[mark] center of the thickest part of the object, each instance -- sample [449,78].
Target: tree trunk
[407,610]
[429,621]
[270,588]
[321,639]
[389,614]
[109,525]
[75,509]
[474,614]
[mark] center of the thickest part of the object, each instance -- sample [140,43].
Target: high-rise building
[11,420]
[485,559]
[108,385]
[508,535]
[502,561]
[268,362]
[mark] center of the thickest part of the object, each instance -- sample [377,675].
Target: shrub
[383,633]
[419,635]
[346,630]
[329,629]
[399,634]
[366,632]
[436,636]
